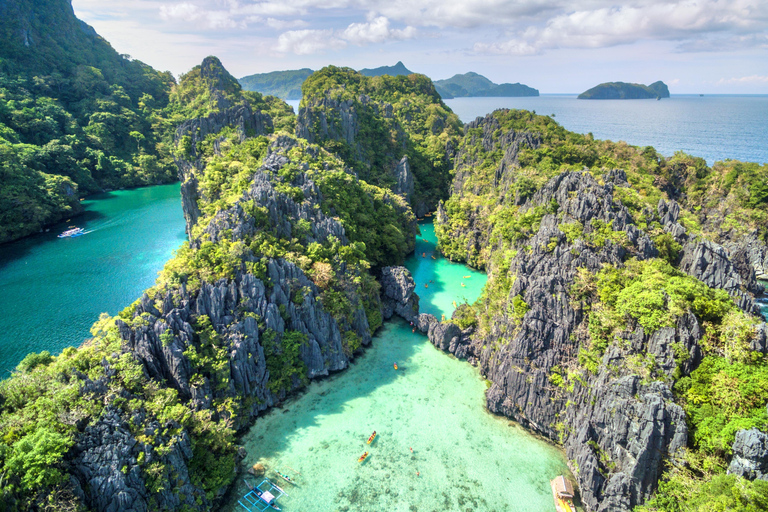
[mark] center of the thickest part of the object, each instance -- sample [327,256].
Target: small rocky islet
[619,319]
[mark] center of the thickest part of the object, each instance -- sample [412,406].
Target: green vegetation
[42,410]
[75,118]
[625,91]
[473,85]
[420,126]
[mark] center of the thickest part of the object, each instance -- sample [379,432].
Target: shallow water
[463,458]
[53,289]
[443,278]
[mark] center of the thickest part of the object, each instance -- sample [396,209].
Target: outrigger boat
[72,232]
[362,457]
[262,497]
[562,490]
[373,436]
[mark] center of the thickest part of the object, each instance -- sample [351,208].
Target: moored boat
[562,491]
[262,497]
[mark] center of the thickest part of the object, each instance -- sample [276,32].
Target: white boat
[72,232]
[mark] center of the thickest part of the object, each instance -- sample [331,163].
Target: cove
[54,289]
[466,458]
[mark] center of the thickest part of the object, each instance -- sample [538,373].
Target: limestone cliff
[375,122]
[540,334]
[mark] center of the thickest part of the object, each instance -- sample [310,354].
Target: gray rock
[750,455]
[397,294]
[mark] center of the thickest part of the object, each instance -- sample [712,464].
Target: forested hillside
[75,117]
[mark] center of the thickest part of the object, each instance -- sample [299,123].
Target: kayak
[362,457]
[285,477]
[373,436]
[395,366]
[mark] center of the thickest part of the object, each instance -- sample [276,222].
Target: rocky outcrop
[384,143]
[404,178]
[397,295]
[709,262]
[617,428]
[754,250]
[108,460]
[241,117]
[493,138]
[750,455]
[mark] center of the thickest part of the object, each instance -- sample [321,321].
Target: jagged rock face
[241,117]
[477,230]
[510,142]
[754,250]
[611,416]
[750,455]
[709,262]
[397,295]
[282,211]
[233,308]
[105,463]
[404,178]
[313,124]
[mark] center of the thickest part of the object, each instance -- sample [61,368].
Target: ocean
[713,127]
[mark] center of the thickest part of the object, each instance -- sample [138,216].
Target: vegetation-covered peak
[346,83]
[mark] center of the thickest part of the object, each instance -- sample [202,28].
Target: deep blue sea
[714,127]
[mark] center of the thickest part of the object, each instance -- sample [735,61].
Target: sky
[556,46]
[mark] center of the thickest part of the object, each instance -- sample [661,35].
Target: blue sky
[556,46]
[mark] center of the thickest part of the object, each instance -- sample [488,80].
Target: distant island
[396,70]
[283,84]
[473,85]
[625,91]
[287,84]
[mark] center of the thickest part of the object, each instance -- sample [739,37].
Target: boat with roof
[72,232]
[262,497]
[562,490]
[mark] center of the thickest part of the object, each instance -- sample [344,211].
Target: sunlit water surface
[463,458]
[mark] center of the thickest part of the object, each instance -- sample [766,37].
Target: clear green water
[466,458]
[53,289]
[443,278]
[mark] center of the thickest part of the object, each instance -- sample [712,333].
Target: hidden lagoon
[463,457]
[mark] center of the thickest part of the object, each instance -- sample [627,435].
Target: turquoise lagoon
[463,457]
[53,289]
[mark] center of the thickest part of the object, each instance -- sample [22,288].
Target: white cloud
[610,25]
[744,80]
[376,31]
[305,42]
[278,24]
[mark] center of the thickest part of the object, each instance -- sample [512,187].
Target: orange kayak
[395,366]
[362,457]
[373,436]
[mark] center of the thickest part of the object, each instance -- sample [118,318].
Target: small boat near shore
[373,436]
[286,477]
[261,497]
[363,457]
[562,491]
[72,232]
